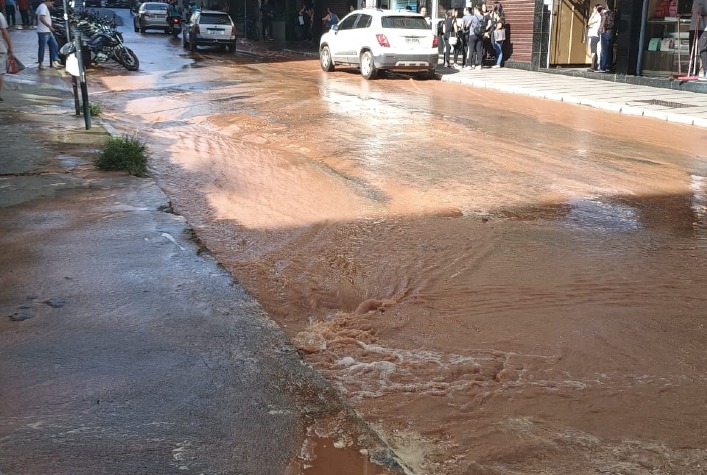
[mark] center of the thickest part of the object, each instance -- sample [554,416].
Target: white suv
[374,40]
[209,28]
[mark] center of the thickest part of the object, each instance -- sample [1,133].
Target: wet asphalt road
[450,258]
[126,348]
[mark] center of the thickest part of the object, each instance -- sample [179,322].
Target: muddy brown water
[511,287]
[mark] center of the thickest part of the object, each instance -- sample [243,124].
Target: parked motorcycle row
[100,40]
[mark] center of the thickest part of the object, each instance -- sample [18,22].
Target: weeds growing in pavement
[94,109]
[126,153]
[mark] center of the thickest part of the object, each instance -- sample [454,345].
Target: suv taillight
[435,42]
[383,41]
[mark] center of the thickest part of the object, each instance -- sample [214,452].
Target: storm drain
[672,105]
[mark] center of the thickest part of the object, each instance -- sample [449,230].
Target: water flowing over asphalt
[497,284]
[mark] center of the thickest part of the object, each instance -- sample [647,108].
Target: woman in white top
[593,35]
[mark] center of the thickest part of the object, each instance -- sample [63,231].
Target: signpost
[82,73]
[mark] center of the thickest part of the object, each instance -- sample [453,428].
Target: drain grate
[672,105]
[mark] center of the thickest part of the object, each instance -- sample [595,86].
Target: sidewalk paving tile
[629,99]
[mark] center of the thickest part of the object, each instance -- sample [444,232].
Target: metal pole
[75,87]
[642,39]
[84,88]
[66,20]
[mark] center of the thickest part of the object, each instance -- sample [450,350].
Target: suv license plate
[216,31]
[412,41]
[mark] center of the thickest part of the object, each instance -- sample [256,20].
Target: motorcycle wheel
[128,58]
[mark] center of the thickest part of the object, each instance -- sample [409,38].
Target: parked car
[209,28]
[151,16]
[376,40]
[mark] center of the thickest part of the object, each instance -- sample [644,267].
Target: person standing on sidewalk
[5,49]
[266,18]
[459,46]
[607,34]
[45,34]
[466,29]
[593,34]
[476,40]
[10,13]
[23,6]
[33,13]
[498,32]
[447,33]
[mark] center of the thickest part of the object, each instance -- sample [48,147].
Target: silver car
[151,16]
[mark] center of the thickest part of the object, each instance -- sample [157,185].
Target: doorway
[569,45]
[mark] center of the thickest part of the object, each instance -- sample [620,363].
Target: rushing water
[497,284]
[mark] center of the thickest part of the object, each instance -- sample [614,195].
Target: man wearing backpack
[476,40]
[607,34]
[466,29]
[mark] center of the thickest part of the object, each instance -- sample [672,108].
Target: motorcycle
[100,41]
[103,47]
[175,26]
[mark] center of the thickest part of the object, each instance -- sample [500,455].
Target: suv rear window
[214,19]
[404,23]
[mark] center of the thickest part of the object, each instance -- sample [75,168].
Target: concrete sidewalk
[683,107]
[125,348]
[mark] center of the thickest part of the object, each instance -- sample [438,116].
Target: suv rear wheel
[368,68]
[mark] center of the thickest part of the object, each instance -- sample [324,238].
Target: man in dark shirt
[266,17]
[607,34]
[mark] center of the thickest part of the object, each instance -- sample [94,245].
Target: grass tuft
[94,109]
[125,153]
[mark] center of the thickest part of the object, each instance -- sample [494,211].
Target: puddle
[599,215]
[70,161]
[325,456]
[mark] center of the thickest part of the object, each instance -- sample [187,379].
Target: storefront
[652,40]
[666,41]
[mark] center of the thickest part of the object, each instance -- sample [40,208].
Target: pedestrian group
[476,35]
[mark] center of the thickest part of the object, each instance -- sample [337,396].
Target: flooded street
[497,284]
